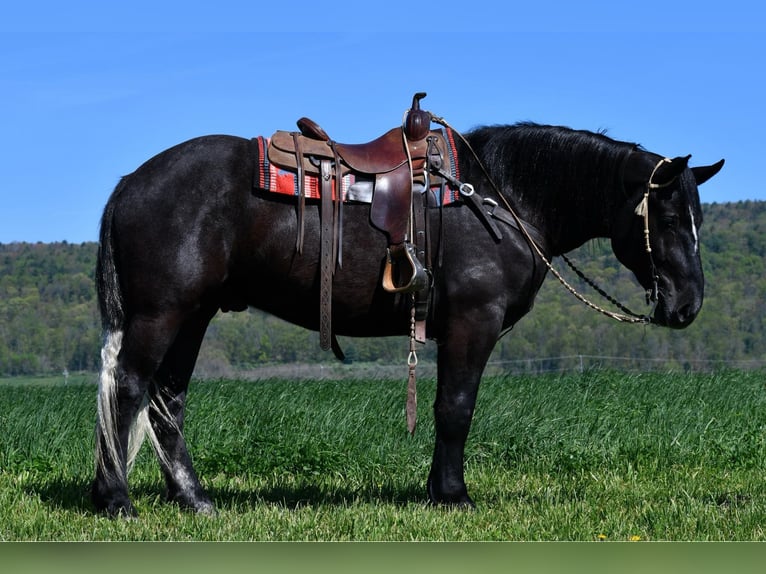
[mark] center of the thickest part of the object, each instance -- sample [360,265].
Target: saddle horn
[417,122]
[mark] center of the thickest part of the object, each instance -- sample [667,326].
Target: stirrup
[398,256]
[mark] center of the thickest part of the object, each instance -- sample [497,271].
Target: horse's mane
[551,167]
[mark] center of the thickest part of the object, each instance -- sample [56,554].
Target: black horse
[187,234]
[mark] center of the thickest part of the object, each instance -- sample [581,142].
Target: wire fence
[532,366]
[427,369]
[582,363]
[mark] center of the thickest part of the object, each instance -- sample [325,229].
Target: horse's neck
[565,219]
[561,181]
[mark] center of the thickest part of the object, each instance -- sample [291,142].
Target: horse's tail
[111,304]
[107,279]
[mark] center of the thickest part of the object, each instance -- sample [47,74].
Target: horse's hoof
[111,504]
[458,497]
[459,501]
[198,504]
[207,510]
[464,504]
[202,507]
[125,511]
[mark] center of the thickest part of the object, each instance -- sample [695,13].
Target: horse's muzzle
[678,316]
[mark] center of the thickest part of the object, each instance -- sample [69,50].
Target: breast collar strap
[501,214]
[488,209]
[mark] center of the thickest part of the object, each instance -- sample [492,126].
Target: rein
[627,316]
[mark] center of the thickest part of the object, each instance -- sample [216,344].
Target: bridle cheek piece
[642,210]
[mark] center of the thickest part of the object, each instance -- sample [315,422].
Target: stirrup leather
[397,258]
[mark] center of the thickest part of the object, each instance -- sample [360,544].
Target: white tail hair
[107,408]
[108,451]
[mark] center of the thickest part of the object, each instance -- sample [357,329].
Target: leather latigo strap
[301,193]
[326,258]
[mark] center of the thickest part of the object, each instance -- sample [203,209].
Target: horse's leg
[166,415]
[462,356]
[130,359]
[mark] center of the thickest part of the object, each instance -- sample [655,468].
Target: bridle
[626,316]
[642,210]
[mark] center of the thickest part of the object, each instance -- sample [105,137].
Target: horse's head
[663,213]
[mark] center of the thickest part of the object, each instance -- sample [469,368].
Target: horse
[188,234]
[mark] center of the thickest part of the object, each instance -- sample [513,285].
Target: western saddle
[391,172]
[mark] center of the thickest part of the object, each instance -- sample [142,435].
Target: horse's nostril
[686,314]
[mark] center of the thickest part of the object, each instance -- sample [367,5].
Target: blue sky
[88,91]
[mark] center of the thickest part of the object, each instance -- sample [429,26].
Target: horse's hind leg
[166,415]
[130,359]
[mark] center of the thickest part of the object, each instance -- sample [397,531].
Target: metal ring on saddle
[466,189]
[492,203]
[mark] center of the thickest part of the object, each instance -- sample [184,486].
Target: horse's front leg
[462,356]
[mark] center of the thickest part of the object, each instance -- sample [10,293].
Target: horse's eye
[669,221]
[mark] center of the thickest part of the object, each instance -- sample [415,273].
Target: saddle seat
[381,155]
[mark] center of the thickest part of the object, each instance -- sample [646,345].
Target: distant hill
[49,320]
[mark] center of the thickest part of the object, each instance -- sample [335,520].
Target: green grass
[573,457]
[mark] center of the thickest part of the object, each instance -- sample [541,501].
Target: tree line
[49,314]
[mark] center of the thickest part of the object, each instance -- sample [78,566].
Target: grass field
[591,456]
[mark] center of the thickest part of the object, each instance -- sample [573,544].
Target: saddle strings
[411,229]
[628,317]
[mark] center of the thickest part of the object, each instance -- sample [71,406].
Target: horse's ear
[668,171]
[704,173]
